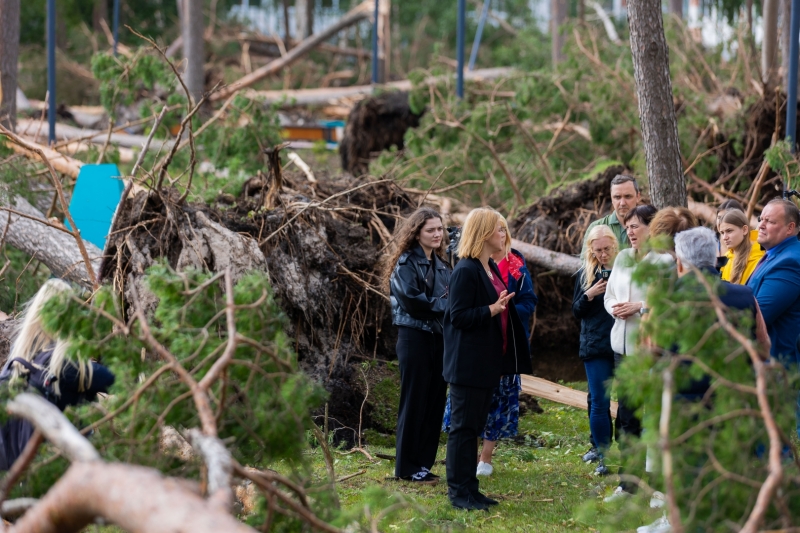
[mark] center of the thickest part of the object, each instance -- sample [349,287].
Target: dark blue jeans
[598,374]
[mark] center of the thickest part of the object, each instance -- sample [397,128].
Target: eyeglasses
[605,251]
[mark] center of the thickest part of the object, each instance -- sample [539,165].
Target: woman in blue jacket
[503,419]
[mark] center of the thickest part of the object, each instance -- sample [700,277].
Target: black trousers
[469,407]
[423,393]
[628,425]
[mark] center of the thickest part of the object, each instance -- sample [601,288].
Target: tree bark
[676,8]
[769,44]
[558,16]
[656,108]
[9,55]
[302,18]
[786,23]
[192,30]
[56,249]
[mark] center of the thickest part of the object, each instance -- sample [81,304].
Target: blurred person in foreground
[483,340]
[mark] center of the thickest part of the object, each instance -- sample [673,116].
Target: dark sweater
[596,323]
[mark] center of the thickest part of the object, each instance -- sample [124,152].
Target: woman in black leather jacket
[418,280]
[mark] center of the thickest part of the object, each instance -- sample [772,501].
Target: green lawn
[539,485]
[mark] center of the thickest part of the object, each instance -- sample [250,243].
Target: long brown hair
[742,252]
[406,238]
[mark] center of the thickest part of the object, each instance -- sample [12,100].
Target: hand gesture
[596,290]
[502,302]
[626,309]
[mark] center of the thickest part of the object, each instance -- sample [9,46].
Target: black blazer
[473,340]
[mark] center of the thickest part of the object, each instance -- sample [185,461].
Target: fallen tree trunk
[541,388]
[55,248]
[563,264]
[327,95]
[357,14]
[62,163]
[63,131]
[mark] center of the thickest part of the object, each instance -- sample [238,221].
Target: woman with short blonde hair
[483,340]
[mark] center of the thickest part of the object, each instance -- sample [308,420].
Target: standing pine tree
[656,109]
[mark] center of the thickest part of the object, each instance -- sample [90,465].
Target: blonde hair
[30,338]
[480,224]
[590,262]
[741,253]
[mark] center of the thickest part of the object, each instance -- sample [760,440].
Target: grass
[541,484]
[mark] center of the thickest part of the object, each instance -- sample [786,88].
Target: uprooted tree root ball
[321,246]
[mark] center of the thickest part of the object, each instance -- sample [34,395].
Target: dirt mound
[375,124]
[558,222]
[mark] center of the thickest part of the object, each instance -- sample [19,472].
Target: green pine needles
[711,454]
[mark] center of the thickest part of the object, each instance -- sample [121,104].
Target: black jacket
[596,323]
[413,304]
[473,340]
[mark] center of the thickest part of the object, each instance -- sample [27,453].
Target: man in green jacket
[624,197]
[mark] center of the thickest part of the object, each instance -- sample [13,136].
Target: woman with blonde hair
[743,254]
[41,361]
[483,340]
[595,341]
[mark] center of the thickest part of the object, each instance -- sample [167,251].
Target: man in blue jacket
[776,280]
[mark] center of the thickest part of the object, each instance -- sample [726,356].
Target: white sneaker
[659,526]
[658,500]
[616,495]
[484,469]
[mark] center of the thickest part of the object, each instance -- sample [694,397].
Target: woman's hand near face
[502,302]
[596,290]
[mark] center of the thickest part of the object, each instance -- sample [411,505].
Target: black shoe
[482,498]
[592,456]
[431,474]
[469,503]
[422,478]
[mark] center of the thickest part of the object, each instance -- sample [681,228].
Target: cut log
[353,16]
[566,265]
[56,249]
[541,388]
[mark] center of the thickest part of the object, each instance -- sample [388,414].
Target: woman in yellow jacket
[743,254]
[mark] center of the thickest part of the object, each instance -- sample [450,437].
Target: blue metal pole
[375,77]
[116,26]
[477,42]
[51,69]
[462,9]
[791,103]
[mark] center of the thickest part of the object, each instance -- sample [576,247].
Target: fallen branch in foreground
[135,498]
